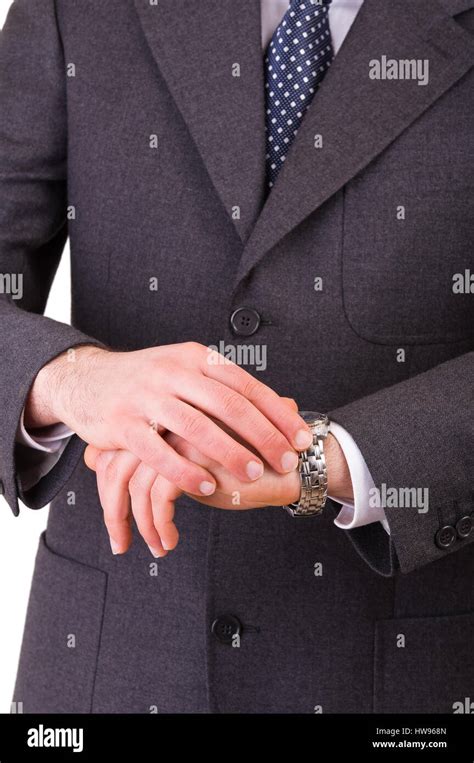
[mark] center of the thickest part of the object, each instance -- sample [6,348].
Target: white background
[19,535]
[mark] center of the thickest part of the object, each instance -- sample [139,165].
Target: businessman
[269,208]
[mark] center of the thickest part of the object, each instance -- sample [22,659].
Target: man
[274,181]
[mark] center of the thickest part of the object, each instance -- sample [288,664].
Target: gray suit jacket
[389,624]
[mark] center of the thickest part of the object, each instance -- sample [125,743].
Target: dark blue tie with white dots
[298,56]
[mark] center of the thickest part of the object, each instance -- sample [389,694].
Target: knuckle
[179,475]
[147,529]
[148,534]
[252,389]
[232,453]
[270,440]
[192,425]
[113,524]
[163,529]
[193,346]
[111,472]
[234,406]
[136,486]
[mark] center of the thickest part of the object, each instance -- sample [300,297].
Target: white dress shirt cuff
[49,439]
[358,512]
[42,451]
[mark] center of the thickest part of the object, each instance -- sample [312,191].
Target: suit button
[445,537]
[226,627]
[245,321]
[464,527]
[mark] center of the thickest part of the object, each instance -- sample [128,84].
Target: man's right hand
[127,400]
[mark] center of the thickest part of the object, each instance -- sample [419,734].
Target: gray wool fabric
[381,212]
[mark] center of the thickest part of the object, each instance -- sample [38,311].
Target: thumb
[91,455]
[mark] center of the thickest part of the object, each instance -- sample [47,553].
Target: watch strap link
[313,478]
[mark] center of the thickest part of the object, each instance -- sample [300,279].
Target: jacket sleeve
[33,227]
[417,438]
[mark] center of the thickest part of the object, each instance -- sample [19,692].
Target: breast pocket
[61,637]
[424,665]
[407,256]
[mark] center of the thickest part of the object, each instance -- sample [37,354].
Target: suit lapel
[197,45]
[359,117]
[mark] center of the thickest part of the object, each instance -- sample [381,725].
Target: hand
[123,480]
[272,489]
[124,483]
[126,486]
[126,401]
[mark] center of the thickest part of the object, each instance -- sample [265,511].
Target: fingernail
[207,488]
[254,470]
[157,554]
[303,438]
[289,461]
[114,546]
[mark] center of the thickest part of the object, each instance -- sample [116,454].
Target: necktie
[298,56]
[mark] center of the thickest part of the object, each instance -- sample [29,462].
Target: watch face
[310,416]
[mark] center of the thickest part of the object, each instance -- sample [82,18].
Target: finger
[291,402]
[202,432]
[155,452]
[90,456]
[288,421]
[184,448]
[114,470]
[243,417]
[140,486]
[163,497]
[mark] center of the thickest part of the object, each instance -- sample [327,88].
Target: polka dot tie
[298,56]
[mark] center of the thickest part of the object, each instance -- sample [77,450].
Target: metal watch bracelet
[312,469]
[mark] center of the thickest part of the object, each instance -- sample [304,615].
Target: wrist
[293,488]
[339,476]
[52,391]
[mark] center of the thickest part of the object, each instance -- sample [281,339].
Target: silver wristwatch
[312,468]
